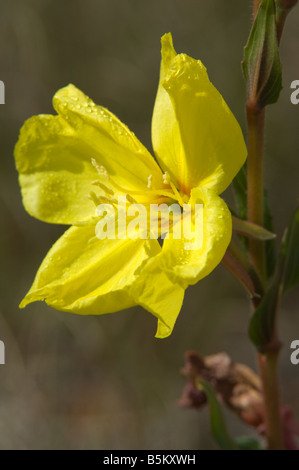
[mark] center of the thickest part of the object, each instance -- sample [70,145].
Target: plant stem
[283,8]
[255,200]
[268,369]
[268,364]
[255,182]
[281,16]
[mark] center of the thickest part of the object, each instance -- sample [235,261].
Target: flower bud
[261,63]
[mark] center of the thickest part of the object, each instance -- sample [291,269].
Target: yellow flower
[199,147]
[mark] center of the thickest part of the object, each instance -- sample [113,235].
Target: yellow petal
[55,171]
[166,136]
[82,274]
[195,135]
[85,275]
[188,266]
[54,158]
[154,291]
[110,142]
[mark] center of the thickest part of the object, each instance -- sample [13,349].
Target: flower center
[112,189]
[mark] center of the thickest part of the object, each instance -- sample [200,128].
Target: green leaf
[251,230]
[290,252]
[262,321]
[248,443]
[240,192]
[286,277]
[261,63]
[270,245]
[218,425]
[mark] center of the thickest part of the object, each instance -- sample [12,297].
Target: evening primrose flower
[85,150]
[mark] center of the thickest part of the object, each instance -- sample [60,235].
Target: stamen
[100,169]
[131,199]
[93,198]
[159,192]
[118,187]
[172,193]
[159,200]
[103,172]
[105,188]
[107,200]
[98,199]
[178,196]
[166,178]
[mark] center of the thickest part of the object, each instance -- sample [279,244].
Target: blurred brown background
[74,382]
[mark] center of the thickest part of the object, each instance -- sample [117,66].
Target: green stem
[255,201]
[268,369]
[268,365]
[283,8]
[255,182]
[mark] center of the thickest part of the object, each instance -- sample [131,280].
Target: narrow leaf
[270,245]
[240,192]
[262,321]
[218,425]
[286,277]
[290,250]
[249,443]
[252,230]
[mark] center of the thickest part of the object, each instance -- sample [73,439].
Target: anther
[100,169]
[166,178]
[149,181]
